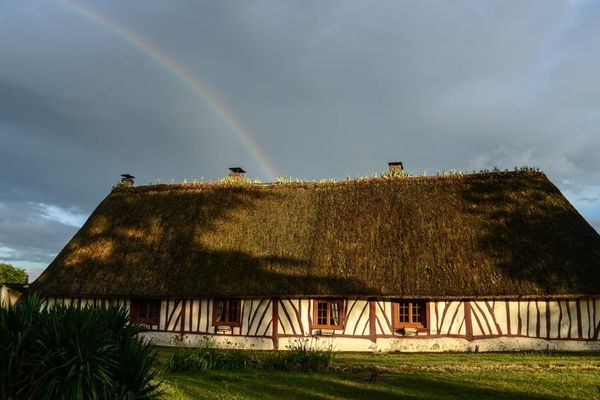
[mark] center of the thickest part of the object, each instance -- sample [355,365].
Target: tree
[11,274]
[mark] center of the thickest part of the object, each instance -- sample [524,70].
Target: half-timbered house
[486,261]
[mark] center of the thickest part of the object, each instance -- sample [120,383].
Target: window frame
[135,308]
[227,322]
[342,308]
[411,323]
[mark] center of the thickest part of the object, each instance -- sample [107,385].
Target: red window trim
[329,302]
[411,323]
[134,312]
[227,322]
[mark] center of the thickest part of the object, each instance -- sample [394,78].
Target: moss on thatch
[490,234]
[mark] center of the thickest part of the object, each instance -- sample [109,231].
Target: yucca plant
[66,352]
[18,335]
[135,375]
[77,355]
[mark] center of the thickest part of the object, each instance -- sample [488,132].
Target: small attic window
[409,314]
[145,311]
[226,312]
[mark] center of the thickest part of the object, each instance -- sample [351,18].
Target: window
[328,314]
[409,314]
[145,311]
[226,312]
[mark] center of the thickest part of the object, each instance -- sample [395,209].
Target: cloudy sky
[173,90]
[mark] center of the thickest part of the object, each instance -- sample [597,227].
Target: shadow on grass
[277,385]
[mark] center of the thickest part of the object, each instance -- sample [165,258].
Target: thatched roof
[491,234]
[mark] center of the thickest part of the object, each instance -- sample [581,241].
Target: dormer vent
[236,172]
[395,166]
[128,180]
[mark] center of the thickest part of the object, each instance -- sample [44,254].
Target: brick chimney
[127,180]
[395,166]
[236,173]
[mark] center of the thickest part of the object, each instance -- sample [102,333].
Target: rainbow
[198,87]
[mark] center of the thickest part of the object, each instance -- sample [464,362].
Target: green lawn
[406,376]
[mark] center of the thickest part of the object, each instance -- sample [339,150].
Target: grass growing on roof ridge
[291,181]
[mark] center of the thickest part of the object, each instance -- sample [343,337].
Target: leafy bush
[207,357]
[69,353]
[187,360]
[304,355]
[233,359]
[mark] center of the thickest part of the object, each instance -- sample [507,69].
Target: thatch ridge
[486,234]
[229,183]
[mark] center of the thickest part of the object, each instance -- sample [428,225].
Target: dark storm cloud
[35,227]
[328,89]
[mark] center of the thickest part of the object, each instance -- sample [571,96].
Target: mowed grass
[406,376]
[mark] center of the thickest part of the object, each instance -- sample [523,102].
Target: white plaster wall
[554,314]
[382,345]
[444,318]
[499,308]
[256,317]
[502,318]
[565,321]
[335,343]
[357,318]
[485,345]
[9,295]
[260,323]
[289,323]
[171,339]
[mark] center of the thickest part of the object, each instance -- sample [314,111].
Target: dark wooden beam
[275,319]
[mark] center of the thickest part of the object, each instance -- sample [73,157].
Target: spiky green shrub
[206,358]
[70,353]
[232,359]
[303,355]
[135,375]
[300,355]
[187,360]
[18,337]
